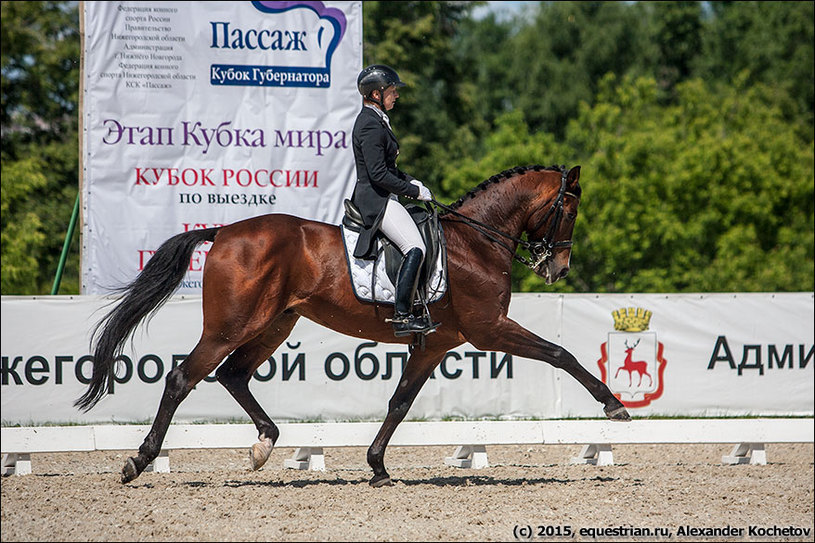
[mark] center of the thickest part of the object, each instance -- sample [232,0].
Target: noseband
[542,250]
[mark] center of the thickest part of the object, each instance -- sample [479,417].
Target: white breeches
[399,227]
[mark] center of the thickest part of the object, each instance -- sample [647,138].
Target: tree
[711,194]
[770,42]
[40,79]
[677,31]
[40,68]
[557,61]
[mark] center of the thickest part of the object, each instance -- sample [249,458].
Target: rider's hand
[424,193]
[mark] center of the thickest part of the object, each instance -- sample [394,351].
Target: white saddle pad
[370,287]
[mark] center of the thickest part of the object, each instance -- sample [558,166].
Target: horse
[263,273]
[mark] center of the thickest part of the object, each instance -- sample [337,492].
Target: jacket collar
[381,114]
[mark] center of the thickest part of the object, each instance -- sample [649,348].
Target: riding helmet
[377,77]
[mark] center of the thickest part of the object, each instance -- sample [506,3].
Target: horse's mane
[497,178]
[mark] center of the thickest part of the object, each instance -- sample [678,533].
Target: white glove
[424,193]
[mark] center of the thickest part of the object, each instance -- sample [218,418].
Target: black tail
[144,296]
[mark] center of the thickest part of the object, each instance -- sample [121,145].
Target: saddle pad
[377,287]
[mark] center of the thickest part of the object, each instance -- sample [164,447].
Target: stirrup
[429,324]
[405,325]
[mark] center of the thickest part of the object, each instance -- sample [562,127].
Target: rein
[541,250]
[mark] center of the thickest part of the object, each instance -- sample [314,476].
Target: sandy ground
[213,495]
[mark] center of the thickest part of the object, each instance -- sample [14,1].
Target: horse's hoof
[381,480]
[619,414]
[260,452]
[129,471]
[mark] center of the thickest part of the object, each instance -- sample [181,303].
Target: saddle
[430,229]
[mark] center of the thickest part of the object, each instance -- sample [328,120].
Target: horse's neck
[505,210]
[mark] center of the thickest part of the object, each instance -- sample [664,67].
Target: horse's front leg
[510,337]
[416,372]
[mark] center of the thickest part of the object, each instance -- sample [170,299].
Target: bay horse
[262,274]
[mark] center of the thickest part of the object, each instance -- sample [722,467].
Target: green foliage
[771,42]
[711,194]
[23,239]
[40,68]
[554,62]
[510,145]
[36,210]
[677,32]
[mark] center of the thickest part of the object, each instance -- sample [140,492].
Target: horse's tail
[141,298]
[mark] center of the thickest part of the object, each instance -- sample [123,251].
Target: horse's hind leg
[234,375]
[416,372]
[178,384]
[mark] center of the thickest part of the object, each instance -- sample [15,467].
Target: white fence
[471,438]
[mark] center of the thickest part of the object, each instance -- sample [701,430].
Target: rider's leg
[399,227]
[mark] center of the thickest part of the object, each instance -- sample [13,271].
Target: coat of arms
[632,364]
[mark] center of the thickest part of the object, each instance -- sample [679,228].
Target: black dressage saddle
[426,220]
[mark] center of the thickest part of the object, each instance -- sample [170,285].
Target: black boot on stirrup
[404,322]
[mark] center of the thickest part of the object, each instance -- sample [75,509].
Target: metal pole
[65,247]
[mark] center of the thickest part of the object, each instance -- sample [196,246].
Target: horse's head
[551,223]
[541,202]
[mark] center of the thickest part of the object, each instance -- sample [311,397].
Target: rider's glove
[424,193]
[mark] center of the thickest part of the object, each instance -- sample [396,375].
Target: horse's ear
[573,175]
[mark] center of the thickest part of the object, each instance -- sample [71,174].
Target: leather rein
[541,250]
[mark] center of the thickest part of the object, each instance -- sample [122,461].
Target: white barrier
[469,437]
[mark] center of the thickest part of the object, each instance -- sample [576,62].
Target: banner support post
[65,247]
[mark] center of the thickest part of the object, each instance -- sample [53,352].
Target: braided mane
[497,178]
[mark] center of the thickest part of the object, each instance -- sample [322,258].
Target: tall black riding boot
[404,322]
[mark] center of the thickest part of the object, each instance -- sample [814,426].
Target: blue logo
[306,50]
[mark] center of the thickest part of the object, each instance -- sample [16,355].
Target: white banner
[704,354]
[690,355]
[205,113]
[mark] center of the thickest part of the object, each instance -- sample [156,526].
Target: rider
[379,183]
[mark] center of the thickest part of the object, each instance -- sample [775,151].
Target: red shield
[632,366]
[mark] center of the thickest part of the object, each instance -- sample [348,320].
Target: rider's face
[389,97]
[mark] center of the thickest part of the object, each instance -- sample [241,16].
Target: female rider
[379,183]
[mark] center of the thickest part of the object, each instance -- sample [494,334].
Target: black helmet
[377,77]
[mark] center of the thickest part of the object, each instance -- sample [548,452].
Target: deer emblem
[631,365]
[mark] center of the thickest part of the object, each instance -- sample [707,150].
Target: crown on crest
[631,319]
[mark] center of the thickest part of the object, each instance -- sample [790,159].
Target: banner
[698,355]
[703,355]
[197,114]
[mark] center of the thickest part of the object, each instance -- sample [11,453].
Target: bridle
[540,251]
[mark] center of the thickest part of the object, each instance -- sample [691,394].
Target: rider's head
[375,80]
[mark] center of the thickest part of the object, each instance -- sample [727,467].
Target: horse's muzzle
[552,276]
